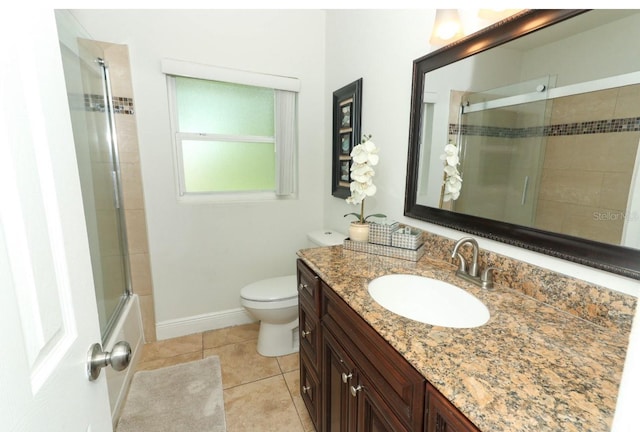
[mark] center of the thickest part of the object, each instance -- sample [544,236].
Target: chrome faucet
[470,272]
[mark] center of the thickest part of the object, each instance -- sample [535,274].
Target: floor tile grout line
[255,381]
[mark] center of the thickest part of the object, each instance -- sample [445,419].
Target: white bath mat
[185,397]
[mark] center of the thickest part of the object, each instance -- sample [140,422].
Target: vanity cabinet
[310,340]
[444,417]
[352,380]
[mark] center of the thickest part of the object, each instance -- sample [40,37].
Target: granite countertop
[532,367]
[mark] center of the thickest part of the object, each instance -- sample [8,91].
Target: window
[234,132]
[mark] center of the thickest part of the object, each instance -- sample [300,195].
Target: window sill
[233,197]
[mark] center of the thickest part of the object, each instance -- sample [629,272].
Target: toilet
[274,302]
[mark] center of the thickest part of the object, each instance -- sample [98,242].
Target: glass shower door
[502,151]
[96,150]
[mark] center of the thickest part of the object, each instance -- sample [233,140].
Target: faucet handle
[487,277]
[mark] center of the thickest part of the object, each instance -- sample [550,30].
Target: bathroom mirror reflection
[542,116]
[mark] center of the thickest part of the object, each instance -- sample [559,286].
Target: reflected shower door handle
[524,189]
[116,195]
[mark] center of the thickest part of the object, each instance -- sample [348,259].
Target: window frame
[173,69]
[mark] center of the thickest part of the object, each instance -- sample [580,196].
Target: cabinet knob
[302,286]
[346,377]
[355,390]
[306,389]
[305,333]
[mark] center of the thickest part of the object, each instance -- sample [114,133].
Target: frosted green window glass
[226,133]
[223,108]
[228,166]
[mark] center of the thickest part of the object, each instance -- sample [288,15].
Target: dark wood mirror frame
[615,259]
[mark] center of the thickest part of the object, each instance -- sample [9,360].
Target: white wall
[202,254]
[380,47]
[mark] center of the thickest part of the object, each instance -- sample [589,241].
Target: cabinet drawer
[310,389]
[395,380]
[308,287]
[310,337]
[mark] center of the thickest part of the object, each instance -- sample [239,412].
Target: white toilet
[274,302]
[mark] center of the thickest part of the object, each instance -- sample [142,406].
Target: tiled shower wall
[117,57]
[589,161]
[590,148]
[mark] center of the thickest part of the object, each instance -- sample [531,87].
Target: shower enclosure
[562,159]
[93,123]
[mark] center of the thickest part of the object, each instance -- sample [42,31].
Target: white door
[48,313]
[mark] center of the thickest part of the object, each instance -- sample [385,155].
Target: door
[47,301]
[338,377]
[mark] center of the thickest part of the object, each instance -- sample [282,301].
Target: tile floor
[261,394]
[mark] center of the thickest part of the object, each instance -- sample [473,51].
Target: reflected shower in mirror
[545,131]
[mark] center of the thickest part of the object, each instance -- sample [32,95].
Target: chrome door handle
[119,358]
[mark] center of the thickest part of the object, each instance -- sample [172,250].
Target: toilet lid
[279,288]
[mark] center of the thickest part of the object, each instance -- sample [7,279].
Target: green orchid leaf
[356,215]
[378,215]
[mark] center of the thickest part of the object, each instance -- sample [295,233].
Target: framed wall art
[347,103]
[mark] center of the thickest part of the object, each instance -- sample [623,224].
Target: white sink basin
[428,301]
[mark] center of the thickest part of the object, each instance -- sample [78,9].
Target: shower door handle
[116,195]
[119,358]
[524,190]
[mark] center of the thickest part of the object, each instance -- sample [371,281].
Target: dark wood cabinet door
[442,416]
[309,331]
[338,376]
[373,414]
[310,389]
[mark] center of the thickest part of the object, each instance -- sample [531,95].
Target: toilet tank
[325,238]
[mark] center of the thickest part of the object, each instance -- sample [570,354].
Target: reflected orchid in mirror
[364,157]
[452,177]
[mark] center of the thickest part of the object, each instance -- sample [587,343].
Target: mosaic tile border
[630,124]
[96,103]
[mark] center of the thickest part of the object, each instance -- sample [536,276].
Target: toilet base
[278,339]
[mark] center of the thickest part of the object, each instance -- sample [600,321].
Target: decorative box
[388,251]
[381,233]
[407,238]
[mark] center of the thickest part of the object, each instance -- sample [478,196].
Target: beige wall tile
[148,318]
[119,69]
[141,274]
[127,132]
[136,231]
[571,186]
[133,197]
[627,102]
[615,191]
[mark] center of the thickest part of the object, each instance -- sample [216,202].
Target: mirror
[540,117]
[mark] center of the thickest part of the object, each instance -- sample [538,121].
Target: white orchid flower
[362,173]
[452,177]
[365,152]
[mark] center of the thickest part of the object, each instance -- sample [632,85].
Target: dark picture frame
[347,104]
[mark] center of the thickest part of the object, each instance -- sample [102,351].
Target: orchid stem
[362,211]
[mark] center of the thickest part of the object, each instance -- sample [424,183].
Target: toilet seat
[276,289]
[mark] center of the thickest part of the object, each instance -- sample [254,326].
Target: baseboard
[199,323]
